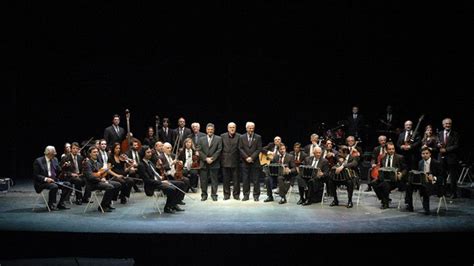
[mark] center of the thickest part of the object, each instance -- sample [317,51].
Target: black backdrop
[285,66]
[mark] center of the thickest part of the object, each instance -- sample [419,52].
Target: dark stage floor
[217,224]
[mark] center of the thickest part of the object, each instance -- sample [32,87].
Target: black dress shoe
[177,208]
[78,202]
[203,198]
[123,200]
[255,199]
[368,189]
[226,198]
[87,201]
[409,208]
[105,209]
[349,204]
[168,210]
[63,207]
[301,201]
[110,207]
[138,190]
[193,190]
[52,207]
[427,212]
[282,201]
[245,198]
[306,203]
[334,203]
[237,198]
[182,203]
[214,198]
[268,199]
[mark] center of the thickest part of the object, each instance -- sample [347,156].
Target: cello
[374,173]
[127,143]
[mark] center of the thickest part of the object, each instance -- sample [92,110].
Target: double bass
[374,173]
[127,142]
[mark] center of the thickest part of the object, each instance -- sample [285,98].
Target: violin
[179,170]
[195,158]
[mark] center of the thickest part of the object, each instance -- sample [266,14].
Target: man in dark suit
[287,161]
[180,133]
[343,174]
[388,124]
[382,188]
[377,154]
[114,133]
[250,146]
[308,149]
[448,154]
[408,145]
[313,186]
[95,174]
[196,134]
[209,155]
[433,170]
[153,181]
[165,134]
[230,158]
[73,173]
[355,124]
[46,172]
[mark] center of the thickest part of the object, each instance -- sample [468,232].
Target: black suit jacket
[90,167]
[414,146]
[111,136]
[166,137]
[375,154]
[452,147]
[398,162]
[148,177]
[436,169]
[40,170]
[355,126]
[302,155]
[72,168]
[323,164]
[288,160]
[252,150]
[192,136]
[230,154]
[213,151]
[186,132]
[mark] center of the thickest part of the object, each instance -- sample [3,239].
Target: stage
[222,225]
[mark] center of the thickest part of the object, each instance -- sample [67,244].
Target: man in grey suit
[230,161]
[250,147]
[211,147]
[114,133]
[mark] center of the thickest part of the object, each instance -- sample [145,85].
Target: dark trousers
[206,174]
[53,190]
[193,176]
[182,184]
[453,171]
[170,192]
[251,174]
[349,185]
[110,188]
[382,190]
[78,183]
[310,189]
[126,186]
[269,181]
[425,192]
[284,184]
[231,173]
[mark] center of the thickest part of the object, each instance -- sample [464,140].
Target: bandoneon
[307,171]
[275,169]
[417,178]
[344,175]
[388,174]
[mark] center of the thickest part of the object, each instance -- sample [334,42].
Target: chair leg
[400,200]
[44,199]
[358,195]
[94,196]
[322,197]
[442,199]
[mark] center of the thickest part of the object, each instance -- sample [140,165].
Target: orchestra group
[177,161]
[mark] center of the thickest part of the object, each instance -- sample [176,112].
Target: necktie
[250,140]
[315,162]
[166,132]
[137,159]
[104,157]
[188,159]
[446,137]
[427,167]
[195,138]
[390,162]
[117,129]
[53,171]
[209,140]
[282,159]
[74,158]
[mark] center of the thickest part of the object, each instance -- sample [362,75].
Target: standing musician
[310,188]
[286,160]
[73,173]
[431,141]
[95,174]
[298,154]
[120,167]
[114,133]
[211,148]
[150,138]
[190,158]
[196,134]
[250,146]
[230,158]
[377,154]
[169,166]
[181,132]
[165,134]
[355,124]
[388,122]
[46,172]
[448,153]
[433,171]
[154,181]
[308,149]
[382,188]
[409,146]
[343,173]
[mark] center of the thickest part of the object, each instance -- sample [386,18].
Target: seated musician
[95,175]
[343,173]
[46,172]
[289,169]
[73,173]
[120,166]
[382,188]
[272,148]
[190,158]
[169,168]
[154,181]
[298,154]
[433,171]
[311,187]
[377,154]
[314,139]
[133,154]
[330,154]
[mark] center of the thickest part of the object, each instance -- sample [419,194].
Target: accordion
[275,169]
[388,174]
[417,178]
[308,171]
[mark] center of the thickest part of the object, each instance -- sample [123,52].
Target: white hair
[49,150]
[167,144]
[195,124]
[249,124]
[231,124]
